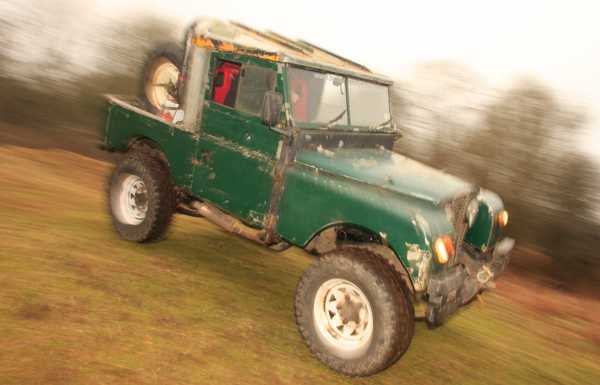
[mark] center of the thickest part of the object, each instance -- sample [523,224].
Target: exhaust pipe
[228,222]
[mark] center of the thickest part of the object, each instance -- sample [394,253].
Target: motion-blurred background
[505,94]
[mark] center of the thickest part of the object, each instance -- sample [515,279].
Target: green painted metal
[388,170]
[485,230]
[317,197]
[124,126]
[236,156]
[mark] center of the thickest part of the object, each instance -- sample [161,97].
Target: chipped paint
[279,147]
[265,169]
[421,260]
[255,217]
[324,151]
[423,226]
[413,253]
[245,151]
[287,111]
[364,163]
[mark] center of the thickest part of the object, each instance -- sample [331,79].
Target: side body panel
[124,125]
[313,200]
[237,155]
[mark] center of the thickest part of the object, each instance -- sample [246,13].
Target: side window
[225,83]
[255,81]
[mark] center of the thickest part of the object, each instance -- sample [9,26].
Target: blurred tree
[519,151]
[440,104]
[60,82]
[520,143]
[573,230]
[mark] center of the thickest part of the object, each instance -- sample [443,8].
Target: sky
[555,41]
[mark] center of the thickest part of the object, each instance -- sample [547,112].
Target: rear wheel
[353,312]
[141,198]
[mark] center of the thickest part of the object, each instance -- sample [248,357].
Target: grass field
[80,306]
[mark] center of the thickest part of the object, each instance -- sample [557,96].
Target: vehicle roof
[232,36]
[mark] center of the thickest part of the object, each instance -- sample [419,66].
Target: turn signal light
[444,249]
[503,218]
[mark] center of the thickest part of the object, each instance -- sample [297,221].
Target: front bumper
[456,286]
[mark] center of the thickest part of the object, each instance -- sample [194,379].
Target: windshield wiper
[380,125]
[336,119]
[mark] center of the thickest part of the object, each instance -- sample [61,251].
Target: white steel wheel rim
[343,317]
[129,199]
[163,78]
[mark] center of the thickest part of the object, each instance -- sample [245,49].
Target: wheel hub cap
[343,316]
[130,200]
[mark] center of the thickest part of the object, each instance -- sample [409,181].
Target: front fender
[313,200]
[485,231]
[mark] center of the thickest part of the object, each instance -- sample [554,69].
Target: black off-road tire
[390,300]
[155,175]
[171,52]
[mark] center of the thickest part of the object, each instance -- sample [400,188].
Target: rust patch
[222,46]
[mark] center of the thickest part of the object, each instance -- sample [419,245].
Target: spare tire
[160,88]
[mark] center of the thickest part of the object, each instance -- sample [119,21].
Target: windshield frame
[349,127]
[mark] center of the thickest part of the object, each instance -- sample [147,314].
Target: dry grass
[80,306]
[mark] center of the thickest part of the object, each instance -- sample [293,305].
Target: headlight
[472,210]
[444,249]
[503,218]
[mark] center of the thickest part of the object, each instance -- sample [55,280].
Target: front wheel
[354,312]
[141,197]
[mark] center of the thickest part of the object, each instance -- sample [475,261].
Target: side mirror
[271,109]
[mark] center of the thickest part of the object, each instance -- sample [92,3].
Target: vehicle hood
[388,170]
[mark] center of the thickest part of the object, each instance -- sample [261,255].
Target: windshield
[330,100]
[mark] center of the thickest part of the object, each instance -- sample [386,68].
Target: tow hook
[484,274]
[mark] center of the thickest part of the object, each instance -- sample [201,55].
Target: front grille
[458,208]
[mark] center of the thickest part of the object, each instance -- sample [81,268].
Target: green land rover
[285,143]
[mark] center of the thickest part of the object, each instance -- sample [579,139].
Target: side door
[237,152]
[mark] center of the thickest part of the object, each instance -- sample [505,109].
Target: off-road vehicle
[285,143]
